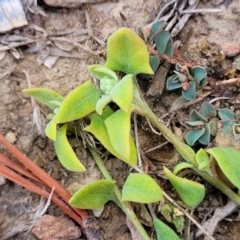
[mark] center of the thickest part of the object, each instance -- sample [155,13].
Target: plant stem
[184,150]
[125,206]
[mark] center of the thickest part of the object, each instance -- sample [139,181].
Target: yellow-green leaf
[122,93]
[127,52]
[102,102]
[202,160]
[78,103]
[65,153]
[100,72]
[228,159]
[51,129]
[93,195]
[141,188]
[45,96]
[118,128]
[164,232]
[191,193]
[98,128]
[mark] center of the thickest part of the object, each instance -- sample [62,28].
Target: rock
[69,3]
[11,137]
[12,15]
[55,228]
[230,49]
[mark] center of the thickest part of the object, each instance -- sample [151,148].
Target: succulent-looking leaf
[190,94]
[127,52]
[196,116]
[154,62]
[226,125]
[51,129]
[202,160]
[45,96]
[225,114]
[100,72]
[205,138]
[191,193]
[107,84]
[161,40]
[93,195]
[164,232]
[228,159]
[199,73]
[170,48]
[194,123]
[173,82]
[183,165]
[102,103]
[181,77]
[79,103]
[141,188]
[65,153]
[207,110]
[157,26]
[122,93]
[193,135]
[118,128]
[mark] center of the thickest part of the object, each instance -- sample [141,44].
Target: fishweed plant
[111,126]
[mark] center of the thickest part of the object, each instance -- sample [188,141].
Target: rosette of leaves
[187,80]
[201,125]
[156,37]
[230,122]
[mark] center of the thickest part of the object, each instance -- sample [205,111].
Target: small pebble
[230,49]
[2,180]
[49,227]
[11,137]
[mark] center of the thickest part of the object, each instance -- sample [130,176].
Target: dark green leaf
[173,82]
[196,116]
[198,73]
[156,27]
[161,41]
[170,48]
[193,135]
[205,138]
[154,62]
[207,110]
[190,94]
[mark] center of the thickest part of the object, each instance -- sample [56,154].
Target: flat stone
[49,227]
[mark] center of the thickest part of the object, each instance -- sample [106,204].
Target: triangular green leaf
[102,103]
[118,128]
[45,96]
[156,27]
[141,188]
[202,160]
[51,129]
[161,40]
[191,193]
[205,138]
[164,232]
[79,103]
[100,72]
[127,52]
[65,153]
[228,159]
[122,93]
[93,195]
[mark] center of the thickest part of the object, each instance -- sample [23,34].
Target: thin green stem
[125,206]
[184,150]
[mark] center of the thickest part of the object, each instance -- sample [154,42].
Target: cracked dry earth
[17,205]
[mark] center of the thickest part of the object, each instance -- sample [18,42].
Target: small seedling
[188,80]
[229,122]
[201,125]
[127,53]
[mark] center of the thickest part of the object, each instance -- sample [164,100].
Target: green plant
[127,53]
[187,80]
[229,122]
[201,125]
